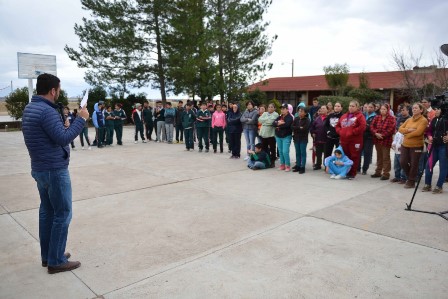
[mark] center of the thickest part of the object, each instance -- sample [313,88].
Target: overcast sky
[314,33]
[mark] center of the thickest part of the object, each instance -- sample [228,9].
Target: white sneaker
[135,142]
[89,148]
[247,158]
[338,177]
[144,141]
[83,148]
[332,176]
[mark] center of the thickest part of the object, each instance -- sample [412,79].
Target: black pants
[320,149]
[235,144]
[203,134]
[100,135]
[148,130]
[179,131]
[189,144]
[269,146]
[218,132]
[119,133]
[139,128]
[330,146]
[368,151]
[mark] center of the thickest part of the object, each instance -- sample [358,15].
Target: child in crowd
[400,176]
[120,117]
[159,115]
[258,159]
[218,126]
[226,130]
[109,117]
[148,120]
[203,127]
[137,116]
[170,115]
[301,126]
[69,117]
[99,123]
[338,165]
[188,119]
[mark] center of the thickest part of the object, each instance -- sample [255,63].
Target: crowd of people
[342,142]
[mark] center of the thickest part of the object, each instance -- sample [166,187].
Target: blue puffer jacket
[46,137]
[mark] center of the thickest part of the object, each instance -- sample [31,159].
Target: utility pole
[292,64]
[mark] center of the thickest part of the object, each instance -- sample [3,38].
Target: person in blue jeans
[400,175]
[436,133]
[249,120]
[47,139]
[283,136]
[301,128]
[338,165]
[259,159]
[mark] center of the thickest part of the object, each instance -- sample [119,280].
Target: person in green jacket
[188,118]
[203,125]
[110,123]
[147,118]
[120,116]
[267,132]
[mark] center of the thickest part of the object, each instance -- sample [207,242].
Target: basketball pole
[30,89]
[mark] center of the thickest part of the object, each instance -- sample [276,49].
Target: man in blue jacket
[47,139]
[99,123]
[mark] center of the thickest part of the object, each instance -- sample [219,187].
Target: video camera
[441,102]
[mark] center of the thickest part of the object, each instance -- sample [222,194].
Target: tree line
[198,47]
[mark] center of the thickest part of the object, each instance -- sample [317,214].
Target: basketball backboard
[32,65]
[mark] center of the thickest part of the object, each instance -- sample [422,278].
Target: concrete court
[154,221]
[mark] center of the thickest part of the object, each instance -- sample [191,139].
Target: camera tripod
[409,206]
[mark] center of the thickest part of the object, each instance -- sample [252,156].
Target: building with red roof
[292,90]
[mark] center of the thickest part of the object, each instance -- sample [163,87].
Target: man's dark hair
[45,83]
[259,145]
[180,102]
[188,104]
[159,102]
[168,103]
[224,105]
[250,102]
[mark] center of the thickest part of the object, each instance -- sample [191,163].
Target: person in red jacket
[383,128]
[350,128]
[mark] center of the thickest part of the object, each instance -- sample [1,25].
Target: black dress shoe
[68,266]
[295,169]
[67,256]
[302,170]
[317,167]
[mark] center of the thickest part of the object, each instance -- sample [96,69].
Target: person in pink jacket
[218,126]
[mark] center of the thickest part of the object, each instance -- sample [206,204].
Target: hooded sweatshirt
[330,124]
[301,128]
[98,117]
[233,122]
[219,119]
[351,127]
[249,119]
[333,158]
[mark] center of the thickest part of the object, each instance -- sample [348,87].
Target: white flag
[84,99]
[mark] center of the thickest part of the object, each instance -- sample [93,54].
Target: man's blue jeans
[250,134]
[283,145]
[255,164]
[301,152]
[438,154]
[399,172]
[55,213]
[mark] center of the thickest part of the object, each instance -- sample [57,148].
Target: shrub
[16,102]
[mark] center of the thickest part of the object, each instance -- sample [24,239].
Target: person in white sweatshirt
[400,176]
